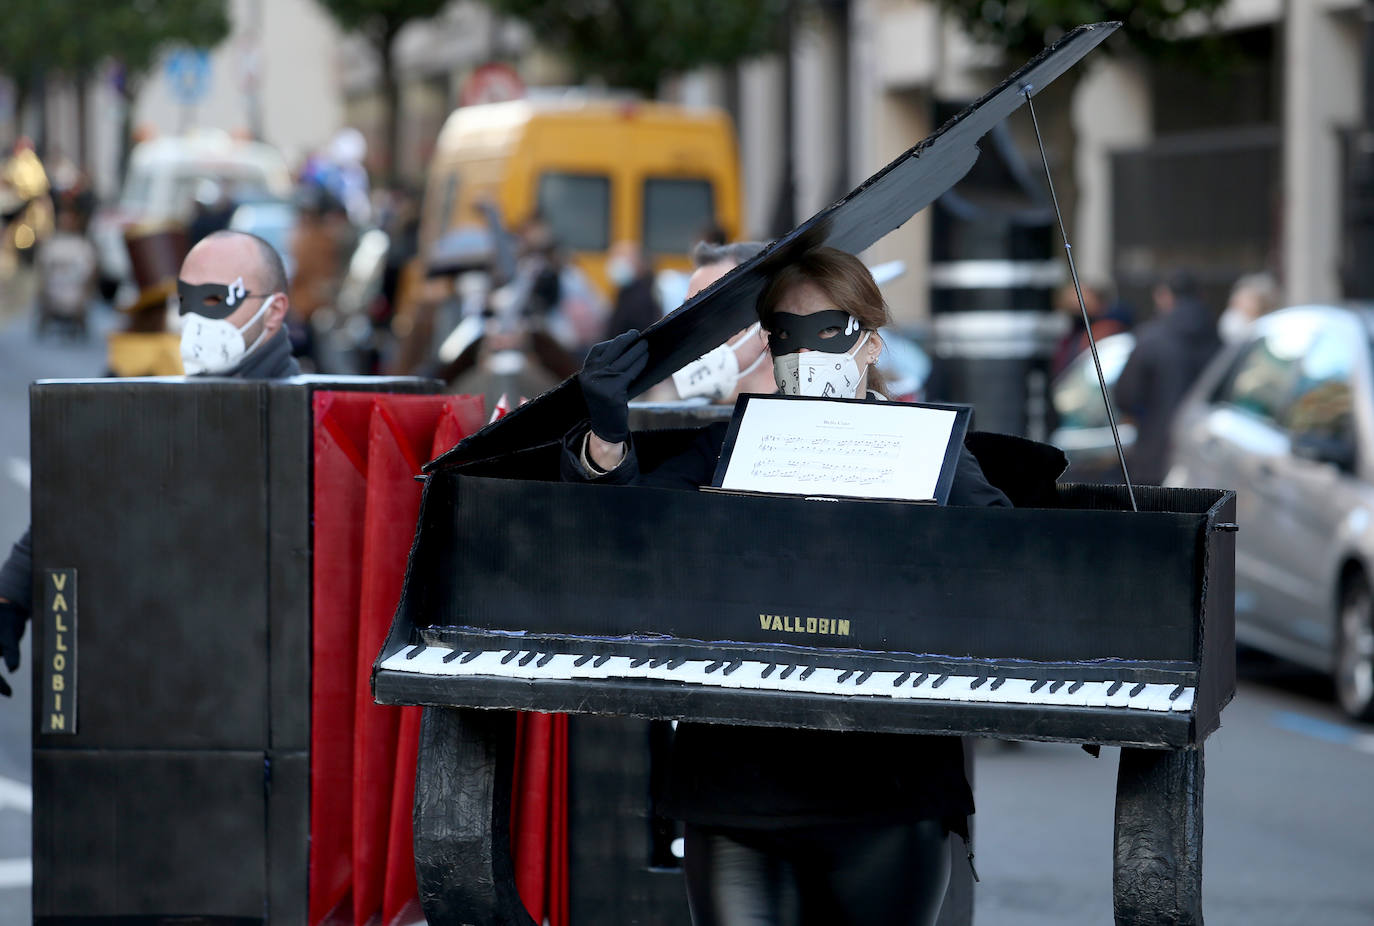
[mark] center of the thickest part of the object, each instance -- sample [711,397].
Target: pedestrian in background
[636,304]
[232,288]
[1108,316]
[740,365]
[1252,296]
[1170,351]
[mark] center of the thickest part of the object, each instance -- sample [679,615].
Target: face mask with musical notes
[820,374]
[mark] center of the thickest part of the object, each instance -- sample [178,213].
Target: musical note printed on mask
[843,448]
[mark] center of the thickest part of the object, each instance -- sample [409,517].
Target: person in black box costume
[233,301]
[796,826]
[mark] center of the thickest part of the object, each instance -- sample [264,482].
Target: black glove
[605,379]
[12,618]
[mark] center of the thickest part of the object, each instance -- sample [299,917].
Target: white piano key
[1012,691]
[561,666]
[877,684]
[1153,698]
[485,662]
[692,672]
[747,674]
[1095,694]
[1184,702]
[960,688]
[1122,697]
[427,662]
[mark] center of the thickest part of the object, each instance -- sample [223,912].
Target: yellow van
[597,171]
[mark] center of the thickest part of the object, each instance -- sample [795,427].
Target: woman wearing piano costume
[785,825]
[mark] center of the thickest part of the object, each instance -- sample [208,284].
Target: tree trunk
[127,94]
[391,93]
[83,151]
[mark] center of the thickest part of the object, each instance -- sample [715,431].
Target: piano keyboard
[440,661]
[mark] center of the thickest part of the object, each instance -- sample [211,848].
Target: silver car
[1286,418]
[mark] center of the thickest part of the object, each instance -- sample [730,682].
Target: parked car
[1082,429]
[1286,418]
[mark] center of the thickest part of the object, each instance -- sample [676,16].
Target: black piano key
[675,664]
[545,659]
[900,680]
[787,672]
[471,656]
[636,663]
[1113,689]
[768,670]
[978,682]
[581,661]
[1058,684]
[509,656]
[997,683]
[713,667]
[1040,683]
[920,680]
[863,677]
[1073,689]
[733,666]
[600,661]
[528,658]
[419,648]
[1176,693]
[657,663]
[845,676]
[1135,692]
[939,681]
[807,673]
[454,654]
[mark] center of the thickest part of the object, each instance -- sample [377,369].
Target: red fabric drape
[340,453]
[458,417]
[368,448]
[400,435]
[539,816]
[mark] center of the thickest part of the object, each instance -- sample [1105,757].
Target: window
[578,209]
[1076,394]
[1262,380]
[676,214]
[1322,403]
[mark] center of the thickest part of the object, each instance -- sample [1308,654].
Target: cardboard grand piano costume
[1070,618]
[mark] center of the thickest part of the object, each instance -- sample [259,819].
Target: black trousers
[827,875]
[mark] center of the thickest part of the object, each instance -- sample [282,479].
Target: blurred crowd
[497,308]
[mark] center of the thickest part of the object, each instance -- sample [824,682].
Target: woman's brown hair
[845,281]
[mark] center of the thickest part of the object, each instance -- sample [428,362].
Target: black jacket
[1170,352]
[763,777]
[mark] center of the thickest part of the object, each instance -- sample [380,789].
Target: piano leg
[462,818]
[1157,871]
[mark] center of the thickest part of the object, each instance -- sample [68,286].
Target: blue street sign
[188,75]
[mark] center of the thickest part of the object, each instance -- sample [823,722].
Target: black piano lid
[883,202]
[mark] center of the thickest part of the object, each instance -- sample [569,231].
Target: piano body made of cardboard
[1068,618]
[1077,621]
[176,741]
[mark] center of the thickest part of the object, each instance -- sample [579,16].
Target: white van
[162,180]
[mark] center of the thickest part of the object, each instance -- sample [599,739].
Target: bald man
[740,365]
[233,305]
[232,288]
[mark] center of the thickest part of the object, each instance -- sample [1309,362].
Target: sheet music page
[856,449]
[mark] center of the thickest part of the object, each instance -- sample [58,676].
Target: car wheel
[1355,650]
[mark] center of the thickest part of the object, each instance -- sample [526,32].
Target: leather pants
[826,875]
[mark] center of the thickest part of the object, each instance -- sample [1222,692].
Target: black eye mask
[212,300]
[789,333]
